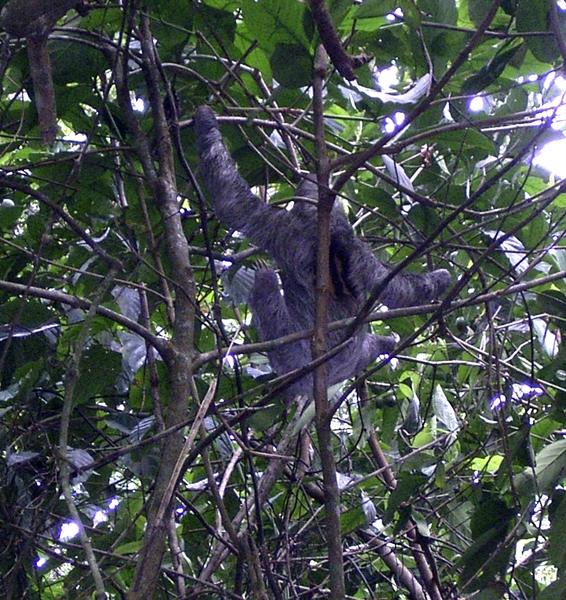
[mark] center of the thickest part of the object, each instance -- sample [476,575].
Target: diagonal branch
[344,63]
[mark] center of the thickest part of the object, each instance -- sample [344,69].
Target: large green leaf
[533,17]
[291,65]
[549,470]
[276,22]
[98,371]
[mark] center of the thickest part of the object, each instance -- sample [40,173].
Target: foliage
[135,402]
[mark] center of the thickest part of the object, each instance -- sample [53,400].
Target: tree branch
[162,182]
[320,341]
[344,63]
[34,20]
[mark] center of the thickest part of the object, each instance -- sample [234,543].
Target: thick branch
[344,63]
[34,20]
[161,180]
[320,342]
[43,90]
[27,17]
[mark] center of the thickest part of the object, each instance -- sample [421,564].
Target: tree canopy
[145,448]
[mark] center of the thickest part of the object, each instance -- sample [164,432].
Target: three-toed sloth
[289,237]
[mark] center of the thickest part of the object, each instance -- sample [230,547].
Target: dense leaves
[144,449]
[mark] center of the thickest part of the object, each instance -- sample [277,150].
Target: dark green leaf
[375,8]
[291,65]
[490,73]
[533,16]
[550,465]
[98,371]
[276,22]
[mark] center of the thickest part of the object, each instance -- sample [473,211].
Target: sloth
[284,303]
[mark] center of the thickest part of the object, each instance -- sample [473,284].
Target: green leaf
[424,219]
[408,486]
[98,371]
[222,22]
[549,470]
[443,410]
[533,16]
[557,548]
[555,591]
[552,302]
[375,8]
[486,556]
[478,10]
[535,231]
[9,215]
[352,519]
[439,11]
[490,73]
[494,590]
[291,65]
[479,144]
[276,21]
[411,13]
[72,62]
[129,548]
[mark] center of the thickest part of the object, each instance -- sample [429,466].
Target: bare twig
[246,514]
